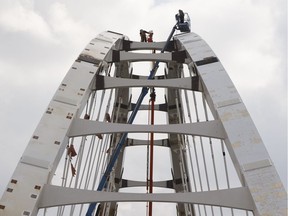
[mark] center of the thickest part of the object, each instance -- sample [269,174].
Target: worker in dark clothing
[180,16]
[143,35]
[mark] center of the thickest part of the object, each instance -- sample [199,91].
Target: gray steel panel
[86,127]
[182,83]
[264,194]
[235,198]
[49,140]
[133,45]
[243,141]
[134,57]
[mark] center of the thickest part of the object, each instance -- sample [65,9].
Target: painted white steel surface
[43,152]
[262,189]
[243,140]
[133,57]
[235,198]
[182,83]
[206,129]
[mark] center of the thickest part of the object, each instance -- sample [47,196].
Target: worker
[180,16]
[150,36]
[143,35]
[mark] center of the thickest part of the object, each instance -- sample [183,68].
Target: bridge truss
[209,158]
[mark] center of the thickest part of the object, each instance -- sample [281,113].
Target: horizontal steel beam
[238,198]
[139,142]
[134,45]
[188,83]
[118,56]
[82,127]
[124,183]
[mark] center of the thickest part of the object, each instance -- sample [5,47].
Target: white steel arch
[198,190]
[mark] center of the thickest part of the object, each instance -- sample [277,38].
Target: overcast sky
[41,39]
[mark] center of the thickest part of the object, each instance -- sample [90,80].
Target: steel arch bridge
[211,159]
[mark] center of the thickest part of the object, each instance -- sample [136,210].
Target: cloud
[248,36]
[21,17]
[67,29]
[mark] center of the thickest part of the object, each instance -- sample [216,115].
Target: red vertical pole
[152,95]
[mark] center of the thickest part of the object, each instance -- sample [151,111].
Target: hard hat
[151,32]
